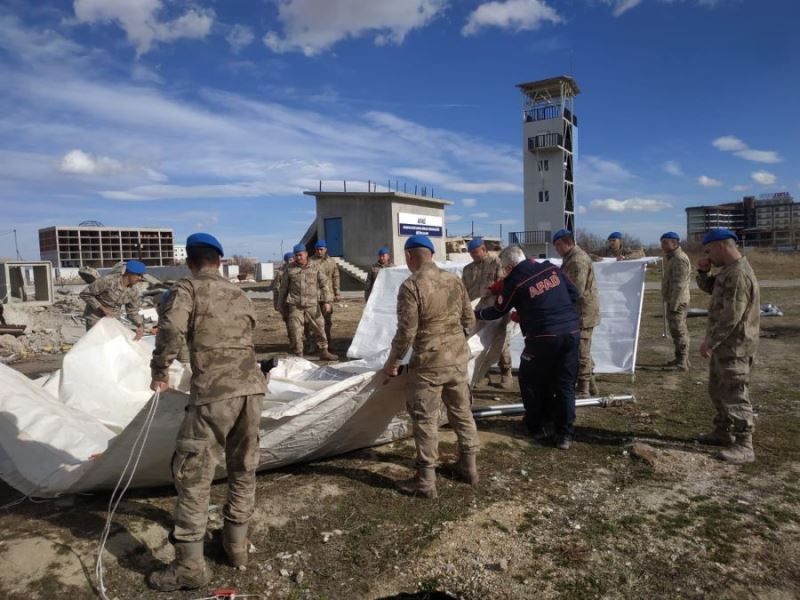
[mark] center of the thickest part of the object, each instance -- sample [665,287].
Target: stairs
[351,269]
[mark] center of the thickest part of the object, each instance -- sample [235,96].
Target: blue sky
[216,114]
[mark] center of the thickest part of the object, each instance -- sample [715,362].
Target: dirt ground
[596,521]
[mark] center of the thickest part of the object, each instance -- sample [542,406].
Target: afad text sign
[411,224]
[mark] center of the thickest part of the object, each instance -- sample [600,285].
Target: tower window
[544,196]
[544,165]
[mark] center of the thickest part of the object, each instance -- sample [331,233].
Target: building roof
[551,85]
[382,195]
[106,227]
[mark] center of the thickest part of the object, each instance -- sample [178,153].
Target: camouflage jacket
[328,266]
[277,280]
[478,276]
[624,253]
[110,293]
[217,321]
[303,287]
[578,267]
[735,311]
[675,282]
[372,275]
[433,310]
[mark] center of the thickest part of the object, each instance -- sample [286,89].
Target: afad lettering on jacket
[545,285]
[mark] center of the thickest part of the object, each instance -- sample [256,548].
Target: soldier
[731,341]
[483,271]
[304,293]
[108,295]
[433,316]
[327,265]
[545,301]
[675,294]
[384,260]
[183,353]
[288,258]
[616,250]
[578,267]
[223,415]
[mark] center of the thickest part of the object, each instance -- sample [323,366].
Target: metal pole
[16,245]
[518,409]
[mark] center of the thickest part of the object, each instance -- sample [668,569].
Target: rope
[113,503]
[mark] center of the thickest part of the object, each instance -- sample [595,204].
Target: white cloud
[517,15]
[582,210]
[600,175]
[311,27]
[739,188]
[729,143]
[141,23]
[708,181]
[630,204]
[239,37]
[620,7]
[470,202]
[450,182]
[480,215]
[763,177]
[673,168]
[78,162]
[452,218]
[504,222]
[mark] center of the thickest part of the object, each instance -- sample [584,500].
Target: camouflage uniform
[623,253]
[372,276]
[328,266]
[433,311]
[301,291]
[276,292]
[183,353]
[732,335]
[113,295]
[675,293]
[578,267]
[477,277]
[227,391]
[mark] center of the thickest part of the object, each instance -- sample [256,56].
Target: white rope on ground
[113,503]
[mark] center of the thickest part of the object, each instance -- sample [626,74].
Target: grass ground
[593,522]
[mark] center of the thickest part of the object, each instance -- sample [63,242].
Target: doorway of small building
[334,237]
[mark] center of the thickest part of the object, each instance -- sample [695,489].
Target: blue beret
[204,239]
[561,233]
[475,243]
[135,267]
[287,256]
[298,248]
[671,235]
[321,244]
[383,250]
[717,235]
[615,235]
[419,241]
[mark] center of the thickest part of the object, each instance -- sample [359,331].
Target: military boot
[506,379]
[594,391]
[677,364]
[582,389]
[741,452]
[717,437]
[186,572]
[324,354]
[467,468]
[235,543]
[423,483]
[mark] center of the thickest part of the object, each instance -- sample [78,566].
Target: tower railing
[524,238]
[545,140]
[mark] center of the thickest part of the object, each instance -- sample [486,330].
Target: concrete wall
[543,216]
[366,225]
[405,205]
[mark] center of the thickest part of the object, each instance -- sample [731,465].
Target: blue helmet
[475,243]
[670,235]
[615,235]
[383,250]
[287,256]
[717,235]
[561,233]
[321,244]
[204,239]
[135,267]
[298,248]
[419,241]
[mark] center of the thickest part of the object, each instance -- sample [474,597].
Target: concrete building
[179,253]
[356,224]
[769,221]
[549,142]
[70,247]
[26,281]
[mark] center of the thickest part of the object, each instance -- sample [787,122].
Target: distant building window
[544,165]
[544,196]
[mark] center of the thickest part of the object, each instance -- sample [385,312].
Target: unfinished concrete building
[549,143]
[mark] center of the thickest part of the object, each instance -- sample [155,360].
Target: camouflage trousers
[505,356]
[297,318]
[585,362]
[676,320]
[728,382]
[208,431]
[328,319]
[428,389]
